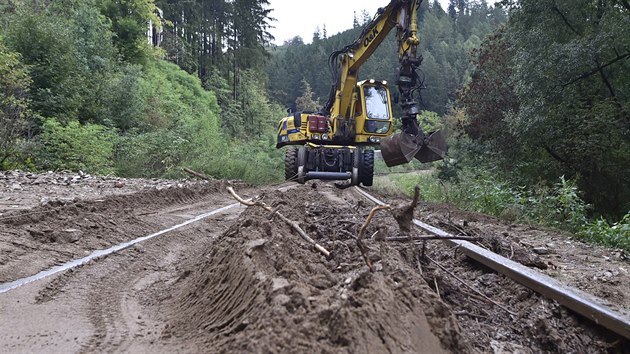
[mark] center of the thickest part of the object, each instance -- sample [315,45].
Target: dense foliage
[14,111]
[558,205]
[550,97]
[83,89]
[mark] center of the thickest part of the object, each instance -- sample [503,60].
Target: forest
[533,95]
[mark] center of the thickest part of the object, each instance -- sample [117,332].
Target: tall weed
[559,206]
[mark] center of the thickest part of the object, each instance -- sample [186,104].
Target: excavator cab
[372,112]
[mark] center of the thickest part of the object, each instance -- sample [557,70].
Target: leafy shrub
[77,147]
[559,206]
[154,154]
[256,162]
[617,235]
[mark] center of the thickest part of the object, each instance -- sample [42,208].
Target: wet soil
[244,281]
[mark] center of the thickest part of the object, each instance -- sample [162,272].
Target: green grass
[559,206]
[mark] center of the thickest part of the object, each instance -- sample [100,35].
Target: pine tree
[452,9]
[306,101]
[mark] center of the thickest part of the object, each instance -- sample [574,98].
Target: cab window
[376,103]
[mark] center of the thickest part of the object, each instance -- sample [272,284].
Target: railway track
[326,205]
[582,303]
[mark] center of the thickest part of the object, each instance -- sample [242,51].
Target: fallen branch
[362,247]
[454,226]
[291,223]
[471,287]
[197,174]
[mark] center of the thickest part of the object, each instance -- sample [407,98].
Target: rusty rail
[576,300]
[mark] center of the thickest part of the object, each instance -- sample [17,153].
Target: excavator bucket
[434,148]
[401,148]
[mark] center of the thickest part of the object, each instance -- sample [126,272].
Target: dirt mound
[59,231]
[260,288]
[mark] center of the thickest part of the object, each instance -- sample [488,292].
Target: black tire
[366,170]
[290,164]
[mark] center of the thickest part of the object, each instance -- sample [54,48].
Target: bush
[559,206]
[617,235]
[154,154]
[76,147]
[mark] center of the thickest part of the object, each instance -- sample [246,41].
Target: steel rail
[578,301]
[4,287]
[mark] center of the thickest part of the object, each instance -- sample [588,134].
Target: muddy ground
[244,281]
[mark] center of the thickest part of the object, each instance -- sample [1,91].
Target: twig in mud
[273,212]
[456,227]
[471,287]
[369,218]
[197,174]
[419,265]
[362,247]
[346,232]
[437,289]
[291,223]
[464,313]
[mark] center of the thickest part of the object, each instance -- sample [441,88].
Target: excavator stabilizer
[401,148]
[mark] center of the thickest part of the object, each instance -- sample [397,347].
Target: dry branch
[197,174]
[291,223]
[362,247]
[471,287]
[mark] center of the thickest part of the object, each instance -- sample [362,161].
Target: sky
[302,17]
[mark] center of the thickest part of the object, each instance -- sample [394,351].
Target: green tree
[46,45]
[549,98]
[572,78]
[14,110]
[129,21]
[306,101]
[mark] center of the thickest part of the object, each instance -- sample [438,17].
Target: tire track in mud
[115,299]
[49,236]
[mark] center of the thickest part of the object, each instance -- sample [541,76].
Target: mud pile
[261,288]
[61,230]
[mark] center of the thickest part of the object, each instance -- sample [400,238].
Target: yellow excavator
[338,143]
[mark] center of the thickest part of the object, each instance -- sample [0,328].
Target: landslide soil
[244,281]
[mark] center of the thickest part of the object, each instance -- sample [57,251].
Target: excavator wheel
[290,164]
[301,165]
[355,180]
[366,169]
